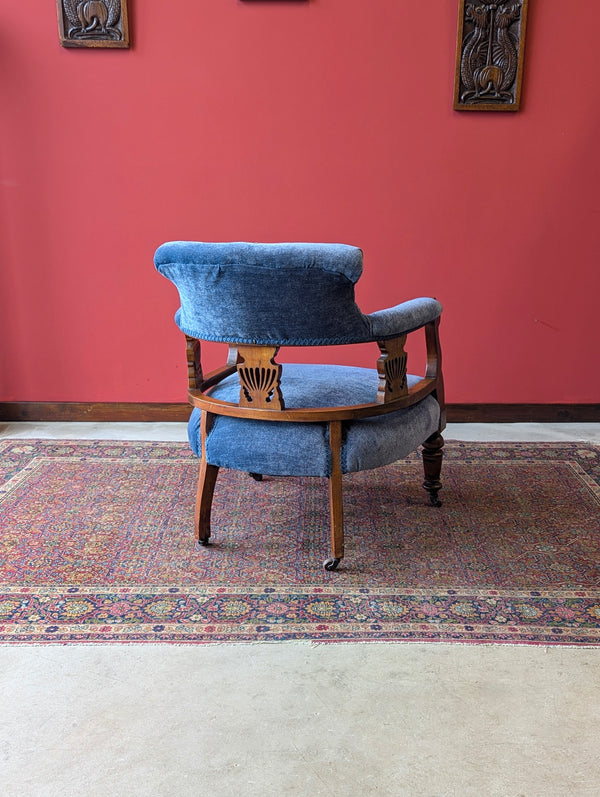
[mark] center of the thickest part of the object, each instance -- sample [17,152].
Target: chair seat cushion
[302,449]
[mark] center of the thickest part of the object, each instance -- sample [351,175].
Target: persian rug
[96,545]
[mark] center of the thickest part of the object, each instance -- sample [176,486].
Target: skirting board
[137,412]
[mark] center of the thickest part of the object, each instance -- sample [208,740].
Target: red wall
[327,120]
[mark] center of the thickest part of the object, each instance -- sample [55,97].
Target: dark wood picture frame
[489,55]
[93,23]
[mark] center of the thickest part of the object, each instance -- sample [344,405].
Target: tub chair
[260,416]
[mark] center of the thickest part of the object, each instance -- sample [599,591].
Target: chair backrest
[292,294]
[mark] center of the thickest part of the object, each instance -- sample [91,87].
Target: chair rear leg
[433,454]
[335,498]
[206,488]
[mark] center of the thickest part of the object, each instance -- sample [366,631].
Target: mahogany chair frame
[261,399]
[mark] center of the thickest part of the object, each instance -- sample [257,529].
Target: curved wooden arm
[393,393]
[415,394]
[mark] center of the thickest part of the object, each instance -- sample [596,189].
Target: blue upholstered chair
[262,417]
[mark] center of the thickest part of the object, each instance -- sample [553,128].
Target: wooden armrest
[434,366]
[392,367]
[205,401]
[260,384]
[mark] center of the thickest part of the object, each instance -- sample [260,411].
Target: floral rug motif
[96,545]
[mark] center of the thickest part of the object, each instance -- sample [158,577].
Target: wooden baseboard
[116,412]
[146,412]
[524,413]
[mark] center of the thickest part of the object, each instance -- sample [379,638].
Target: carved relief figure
[490,56]
[93,19]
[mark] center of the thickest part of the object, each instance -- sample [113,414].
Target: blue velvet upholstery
[291,294]
[294,294]
[302,449]
[298,294]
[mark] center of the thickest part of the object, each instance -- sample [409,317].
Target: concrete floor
[422,720]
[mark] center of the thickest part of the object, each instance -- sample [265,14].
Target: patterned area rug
[96,545]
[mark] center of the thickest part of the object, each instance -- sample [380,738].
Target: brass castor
[331,563]
[433,497]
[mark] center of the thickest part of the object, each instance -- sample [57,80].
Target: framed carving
[93,23]
[489,55]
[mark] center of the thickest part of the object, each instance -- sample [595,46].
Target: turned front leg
[433,454]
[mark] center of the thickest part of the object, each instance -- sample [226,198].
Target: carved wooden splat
[260,377]
[391,367]
[93,23]
[489,55]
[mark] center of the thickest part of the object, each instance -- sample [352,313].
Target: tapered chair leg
[433,454]
[336,508]
[206,488]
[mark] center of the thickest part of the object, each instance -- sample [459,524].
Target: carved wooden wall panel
[93,23]
[489,55]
